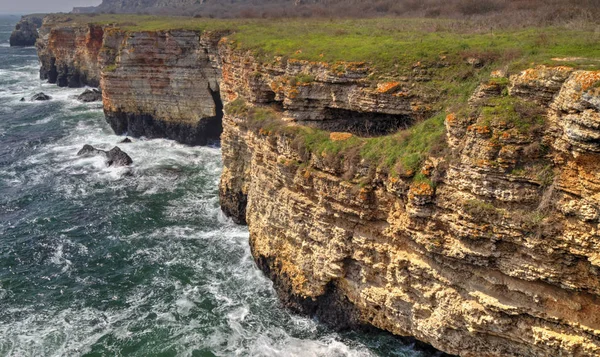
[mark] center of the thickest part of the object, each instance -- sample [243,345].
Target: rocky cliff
[490,248]
[494,255]
[69,54]
[26,31]
[162,84]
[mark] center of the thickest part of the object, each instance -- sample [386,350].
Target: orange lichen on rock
[335,136]
[587,79]
[388,87]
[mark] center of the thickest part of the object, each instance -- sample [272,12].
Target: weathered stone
[88,96]
[69,55]
[114,157]
[423,262]
[117,157]
[41,97]
[166,88]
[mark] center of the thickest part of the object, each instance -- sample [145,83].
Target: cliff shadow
[362,124]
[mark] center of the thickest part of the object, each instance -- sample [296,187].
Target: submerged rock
[41,97]
[117,157]
[114,157]
[88,96]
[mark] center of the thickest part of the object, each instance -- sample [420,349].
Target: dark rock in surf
[23,99]
[125,141]
[114,157]
[89,96]
[117,157]
[89,150]
[41,97]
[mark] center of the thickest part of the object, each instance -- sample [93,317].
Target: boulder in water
[114,157]
[89,150]
[40,97]
[117,157]
[23,99]
[125,141]
[88,96]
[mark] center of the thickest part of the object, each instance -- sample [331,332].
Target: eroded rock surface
[491,261]
[69,54]
[114,157]
[90,95]
[162,85]
[39,97]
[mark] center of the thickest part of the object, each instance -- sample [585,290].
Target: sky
[32,6]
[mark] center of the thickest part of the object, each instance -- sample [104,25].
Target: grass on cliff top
[391,45]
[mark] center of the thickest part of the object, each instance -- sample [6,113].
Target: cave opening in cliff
[363,124]
[216,123]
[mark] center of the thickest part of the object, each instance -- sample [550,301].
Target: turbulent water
[94,262]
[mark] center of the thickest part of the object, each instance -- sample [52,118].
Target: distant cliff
[26,31]
[473,228]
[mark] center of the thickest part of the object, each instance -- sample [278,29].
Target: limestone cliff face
[69,54]
[491,261]
[157,84]
[162,84]
[335,97]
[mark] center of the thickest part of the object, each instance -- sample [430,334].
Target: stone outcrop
[69,54]
[26,31]
[162,84]
[39,97]
[492,260]
[90,95]
[494,253]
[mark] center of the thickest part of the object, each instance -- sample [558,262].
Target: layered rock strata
[162,85]
[498,258]
[495,254]
[69,54]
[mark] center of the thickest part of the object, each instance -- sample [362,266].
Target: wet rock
[88,96]
[41,97]
[114,157]
[89,150]
[22,99]
[117,157]
[125,141]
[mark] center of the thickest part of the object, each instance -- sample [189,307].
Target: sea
[99,261]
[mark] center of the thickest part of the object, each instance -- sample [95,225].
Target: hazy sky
[30,6]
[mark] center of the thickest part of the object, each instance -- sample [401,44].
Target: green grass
[392,46]
[110,68]
[512,111]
